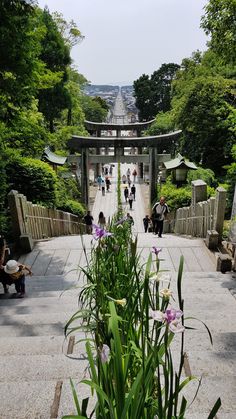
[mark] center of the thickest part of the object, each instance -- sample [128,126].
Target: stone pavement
[33,351]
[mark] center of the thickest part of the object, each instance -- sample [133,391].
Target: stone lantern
[179,168]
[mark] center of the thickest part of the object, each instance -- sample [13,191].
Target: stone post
[19,224]
[84,177]
[232,230]
[199,192]
[153,169]
[219,213]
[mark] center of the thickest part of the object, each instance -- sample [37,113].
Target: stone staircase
[35,367]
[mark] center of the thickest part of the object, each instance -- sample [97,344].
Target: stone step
[210,390]
[212,363]
[56,307]
[47,301]
[41,367]
[35,319]
[26,399]
[56,329]
[40,345]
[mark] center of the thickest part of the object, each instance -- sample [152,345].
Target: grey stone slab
[67,405]
[211,363]
[26,400]
[40,345]
[205,261]
[210,390]
[192,264]
[57,263]
[55,329]
[32,345]
[71,268]
[41,367]
[40,265]
[55,307]
[175,254]
[36,319]
[69,297]
[199,340]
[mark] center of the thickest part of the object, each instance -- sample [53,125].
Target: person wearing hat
[15,275]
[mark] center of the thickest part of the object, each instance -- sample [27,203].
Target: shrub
[73,207]
[207,175]
[33,178]
[176,197]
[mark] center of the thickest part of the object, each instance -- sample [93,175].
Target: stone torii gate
[83,145]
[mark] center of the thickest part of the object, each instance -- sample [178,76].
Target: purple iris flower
[171,314]
[99,232]
[104,353]
[156,250]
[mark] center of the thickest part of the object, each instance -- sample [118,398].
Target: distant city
[109,93]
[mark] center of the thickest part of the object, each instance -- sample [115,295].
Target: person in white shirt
[159,213]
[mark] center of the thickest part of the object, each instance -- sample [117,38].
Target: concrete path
[33,352]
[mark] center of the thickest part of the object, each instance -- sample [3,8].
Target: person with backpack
[159,213]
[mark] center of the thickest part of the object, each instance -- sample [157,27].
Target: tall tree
[19,50]
[56,55]
[142,93]
[161,81]
[203,108]
[219,22]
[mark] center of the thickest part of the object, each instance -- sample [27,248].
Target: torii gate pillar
[84,177]
[153,169]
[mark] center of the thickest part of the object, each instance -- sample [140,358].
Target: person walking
[133,190]
[159,211]
[126,193]
[99,182]
[146,222]
[130,219]
[124,179]
[134,174]
[103,188]
[101,220]
[88,219]
[131,198]
[108,183]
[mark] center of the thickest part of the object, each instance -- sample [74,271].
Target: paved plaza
[33,350]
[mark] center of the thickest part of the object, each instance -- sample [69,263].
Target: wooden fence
[195,221]
[40,222]
[201,217]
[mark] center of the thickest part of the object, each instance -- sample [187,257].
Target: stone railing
[34,222]
[203,216]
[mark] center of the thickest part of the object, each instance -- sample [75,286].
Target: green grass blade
[215,409]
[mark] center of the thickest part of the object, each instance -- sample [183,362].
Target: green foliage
[161,81]
[56,56]
[207,175]
[93,109]
[202,109]
[73,207]
[219,22]
[19,50]
[142,94]
[68,30]
[33,178]
[163,124]
[129,348]
[153,94]
[27,132]
[176,197]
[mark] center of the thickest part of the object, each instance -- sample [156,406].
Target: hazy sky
[126,38]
